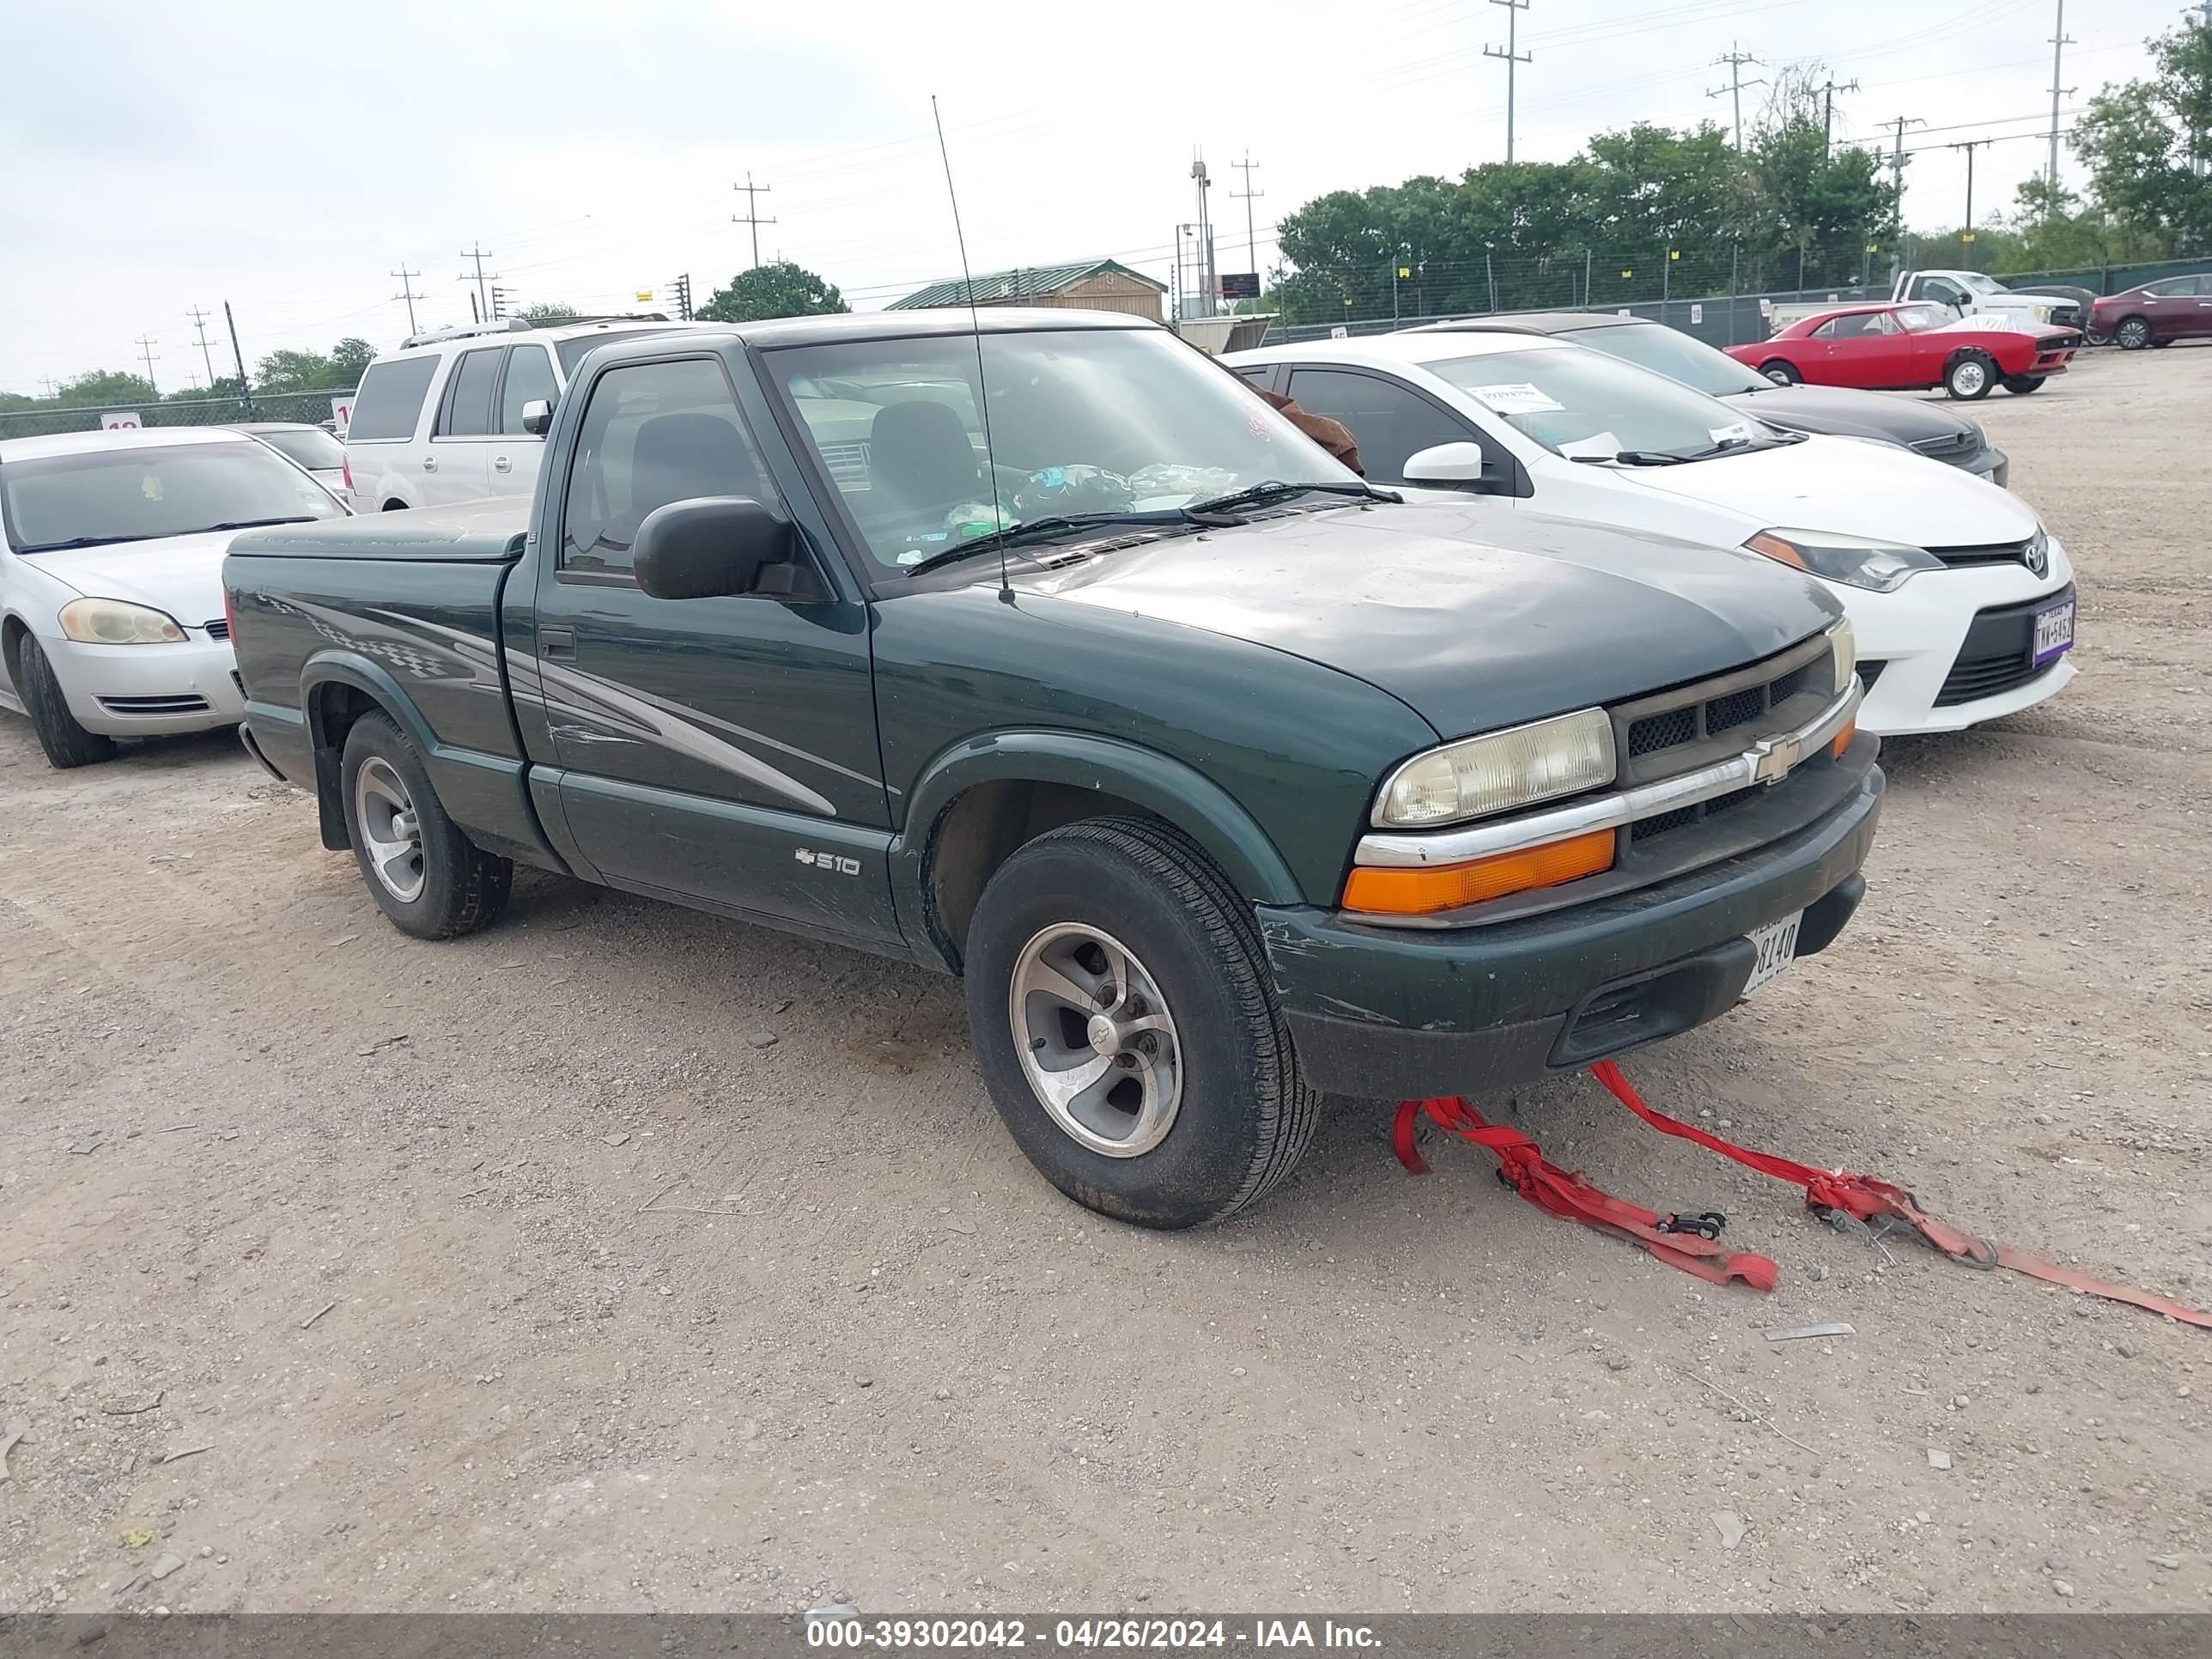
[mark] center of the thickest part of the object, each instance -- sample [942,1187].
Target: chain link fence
[308,408]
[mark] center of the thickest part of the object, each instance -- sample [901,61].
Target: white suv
[439,420]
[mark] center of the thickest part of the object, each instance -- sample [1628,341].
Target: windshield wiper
[1273,487]
[1633,458]
[81,541]
[1028,529]
[252,523]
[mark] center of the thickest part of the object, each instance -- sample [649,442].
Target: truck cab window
[652,433]
[1391,421]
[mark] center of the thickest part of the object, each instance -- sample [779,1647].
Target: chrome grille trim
[1768,760]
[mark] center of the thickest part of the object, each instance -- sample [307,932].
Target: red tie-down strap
[1683,1241]
[1864,1198]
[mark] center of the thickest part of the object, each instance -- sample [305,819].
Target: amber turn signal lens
[1424,892]
[1843,739]
[1775,548]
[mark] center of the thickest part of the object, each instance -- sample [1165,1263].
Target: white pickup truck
[1965,291]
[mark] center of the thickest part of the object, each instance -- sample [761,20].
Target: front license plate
[1777,945]
[2054,632]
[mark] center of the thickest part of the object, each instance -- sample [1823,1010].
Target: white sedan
[1962,603]
[111,617]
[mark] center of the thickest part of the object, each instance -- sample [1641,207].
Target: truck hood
[1475,614]
[1857,488]
[1842,412]
[181,574]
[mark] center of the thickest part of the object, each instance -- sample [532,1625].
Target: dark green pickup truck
[1043,652]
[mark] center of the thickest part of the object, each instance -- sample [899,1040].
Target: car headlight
[1855,561]
[116,621]
[1843,654]
[1563,756]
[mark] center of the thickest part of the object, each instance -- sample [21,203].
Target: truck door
[717,750]
[514,452]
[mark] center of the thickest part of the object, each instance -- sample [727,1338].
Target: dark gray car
[1831,411]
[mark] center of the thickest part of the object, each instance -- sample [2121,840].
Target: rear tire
[1198,1109]
[422,870]
[2133,334]
[1781,372]
[66,743]
[2022,385]
[1970,377]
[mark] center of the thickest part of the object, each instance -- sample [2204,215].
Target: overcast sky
[286,157]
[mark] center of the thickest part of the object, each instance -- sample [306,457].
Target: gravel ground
[524,1272]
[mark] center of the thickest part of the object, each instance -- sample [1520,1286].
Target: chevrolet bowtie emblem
[1776,757]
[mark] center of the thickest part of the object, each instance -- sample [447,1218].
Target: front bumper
[144,691]
[1918,633]
[1391,1013]
[1990,462]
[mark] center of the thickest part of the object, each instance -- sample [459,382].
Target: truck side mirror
[1453,462]
[537,416]
[717,547]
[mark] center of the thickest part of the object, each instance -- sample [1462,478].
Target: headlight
[1843,654]
[1563,756]
[1855,560]
[115,622]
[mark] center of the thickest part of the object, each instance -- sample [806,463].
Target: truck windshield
[1587,406]
[1668,352]
[1981,284]
[144,492]
[1082,421]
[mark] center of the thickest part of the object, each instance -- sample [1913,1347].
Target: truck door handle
[429,463]
[559,643]
[500,464]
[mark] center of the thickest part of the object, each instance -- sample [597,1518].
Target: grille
[1657,731]
[187,704]
[1984,553]
[1737,708]
[217,630]
[1871,672]
[848,463]
[1949,443]
[1737,714]
[1974,677]
[1729,803]
[1644,828]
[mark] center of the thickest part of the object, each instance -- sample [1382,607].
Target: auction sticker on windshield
[1516,399]
[1777,947]
[2054,632]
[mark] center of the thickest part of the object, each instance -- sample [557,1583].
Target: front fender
[1175,792]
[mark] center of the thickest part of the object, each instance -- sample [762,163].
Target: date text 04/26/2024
[1165,1635]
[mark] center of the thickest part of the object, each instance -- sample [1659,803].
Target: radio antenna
[975,322]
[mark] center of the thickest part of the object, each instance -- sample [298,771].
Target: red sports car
[1908,348]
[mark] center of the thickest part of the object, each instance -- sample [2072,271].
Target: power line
[199,322]
[751,214]
[1736,58]
[146,345]
[407,292]
[479,254]
[1513,57]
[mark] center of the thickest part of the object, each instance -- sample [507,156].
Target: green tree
[2148,143]
[547,314]
[779,289]
[114,388]
[349,359]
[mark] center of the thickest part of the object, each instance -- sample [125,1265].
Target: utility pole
[407,292]
[483,301]
[1970,146]
[1248,195]
[1512,55]
[682,287]
[1736,58]
[1828,108]
[500,296]
[199,322]
[245,390]
[2059,41]
[1209,284]
[751,214]
[146,345]
[1897,159]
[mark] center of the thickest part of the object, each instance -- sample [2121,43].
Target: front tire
[66,743]
[2022,385]
[422,870]
[1125,1024]
[1970,377]
[2133,334]
[1781,372]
